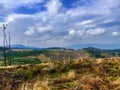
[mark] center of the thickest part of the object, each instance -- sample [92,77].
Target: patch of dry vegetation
[82,74]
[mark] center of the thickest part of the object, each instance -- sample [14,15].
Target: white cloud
[13,17]
[115,33]
[30,31]
[45,28]
[10,4]
[74,34]
[58,25]
[53,6]
[95,32]
[84,22]
[99,7]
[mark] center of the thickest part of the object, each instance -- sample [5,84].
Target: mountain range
[100,46]
[19,46]
[75,47]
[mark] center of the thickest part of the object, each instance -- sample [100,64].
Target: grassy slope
[83,74]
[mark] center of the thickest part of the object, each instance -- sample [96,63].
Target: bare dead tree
[4,43]
[6,46]
[9,49]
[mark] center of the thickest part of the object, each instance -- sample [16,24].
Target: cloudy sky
[48,23]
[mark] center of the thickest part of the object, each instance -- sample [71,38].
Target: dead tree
[6,46]
[9,49]
[4,43]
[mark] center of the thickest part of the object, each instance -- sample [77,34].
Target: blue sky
[48,23]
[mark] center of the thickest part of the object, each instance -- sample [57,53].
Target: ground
[81,74]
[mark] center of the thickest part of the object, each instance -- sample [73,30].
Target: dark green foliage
[102,53]
[24,53]
[22,57]
[22,61]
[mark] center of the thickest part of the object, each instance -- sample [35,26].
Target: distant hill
[101,53]
[19,46]
[100,46]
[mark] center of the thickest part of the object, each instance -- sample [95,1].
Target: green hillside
[21,57]
[101,53]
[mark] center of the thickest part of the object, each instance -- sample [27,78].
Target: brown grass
[85,74]
[71,74]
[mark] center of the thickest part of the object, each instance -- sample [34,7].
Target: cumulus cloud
[95,32]
[10,4]
[74,34]
[58,25]
[30,31]
[53,6]
[45,28]
[115,33]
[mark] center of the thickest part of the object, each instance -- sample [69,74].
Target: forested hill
[57,52]
[101,53]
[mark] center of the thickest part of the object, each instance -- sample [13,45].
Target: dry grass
[92,82]
[99,61]
[117,81]
[41,85]
[71,74]
[85,74]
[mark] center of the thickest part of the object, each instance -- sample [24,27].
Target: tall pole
[4,43]
[9,49]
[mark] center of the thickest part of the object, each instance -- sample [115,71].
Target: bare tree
[4,43]
[9,49]
[6,46]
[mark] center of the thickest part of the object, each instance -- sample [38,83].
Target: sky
[61,23]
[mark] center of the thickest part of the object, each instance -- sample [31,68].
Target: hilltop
[82,74]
